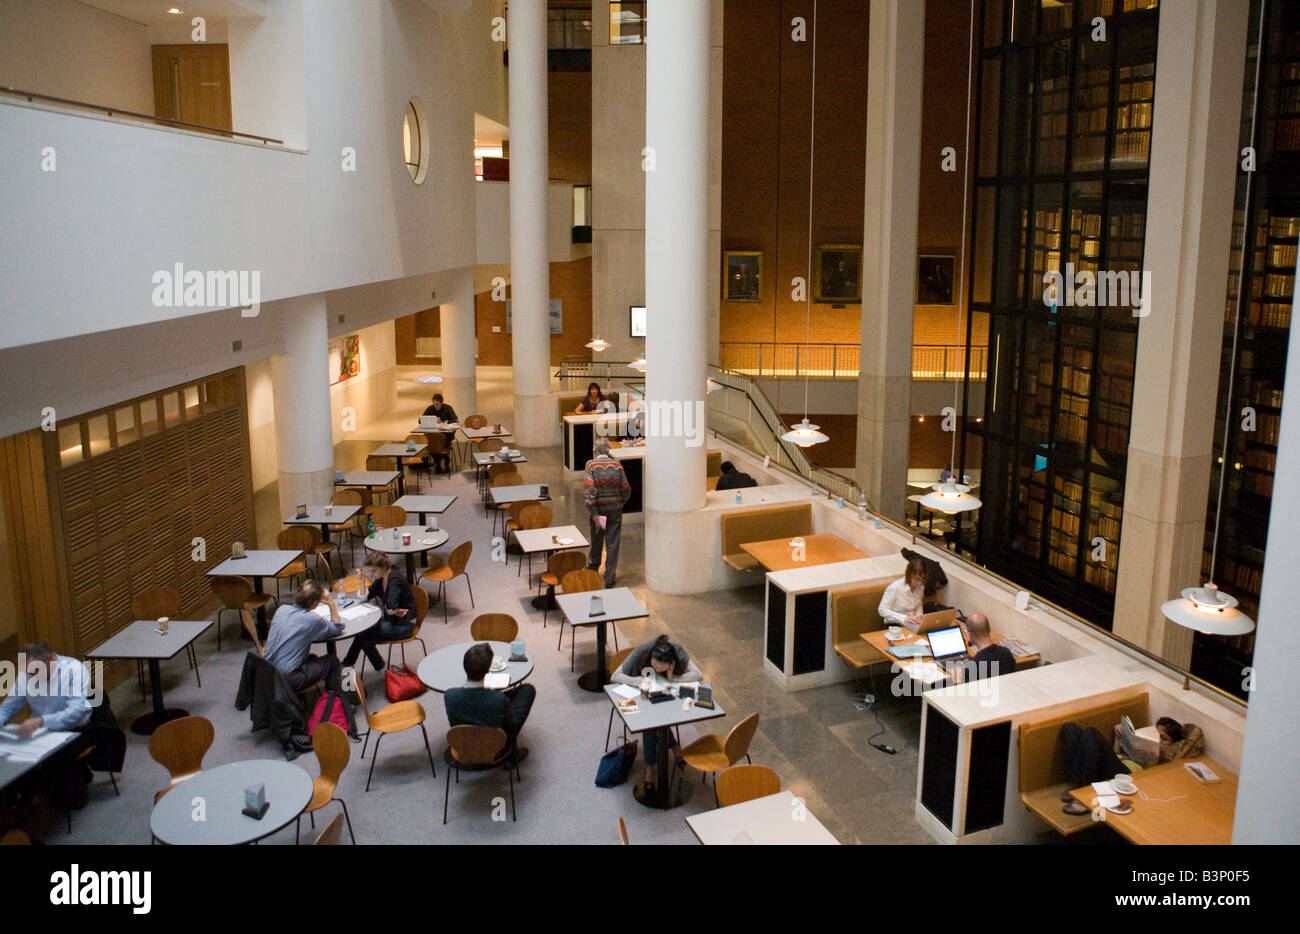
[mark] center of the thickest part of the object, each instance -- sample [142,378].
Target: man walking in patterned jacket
[606,490]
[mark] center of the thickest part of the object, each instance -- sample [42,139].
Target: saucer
[497,665]
[564,541]
[1124,808]
[426,541]
[898,638]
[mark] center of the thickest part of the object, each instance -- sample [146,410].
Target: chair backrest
[488,445]
[759,525]
[421,607]
[249,622]
[581,580]
[497,471]
[535,517]
[855,611]
[459,558]
[741,735]
[745,783]
[156,602]
[352,583]
[347,498]
[438,443]
[476,421]
[518,506]
[15,838]
[562,562]
[295,538]
[333,831]
[494,627]
[180,745]
[233,592]
[713,464]
[387,464]
[332,752]
[361,699]
[389,517]
[476,745]
[618,658]
[622,833]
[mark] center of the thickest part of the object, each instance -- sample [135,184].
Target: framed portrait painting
[935,273]
[838,273]
[742,272]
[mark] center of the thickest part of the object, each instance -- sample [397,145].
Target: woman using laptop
[904,599]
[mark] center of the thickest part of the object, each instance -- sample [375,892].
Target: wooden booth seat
[740,526]
[712,470]
[568,402]
[854,612]
[1042,774]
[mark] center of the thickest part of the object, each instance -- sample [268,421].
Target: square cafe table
[316,516]
[619,603]
[772,820]
[373,480]
[425,505]
[1173,807]
[670,791]
[398,449]
[255,565]
[534,541]
[480,434]
[776,554]
[142,640]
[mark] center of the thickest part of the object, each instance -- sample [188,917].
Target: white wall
[370,394]
[492,208]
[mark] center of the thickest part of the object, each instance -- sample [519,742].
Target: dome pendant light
[950,498]
[597,344]
[805,433]
[638,364]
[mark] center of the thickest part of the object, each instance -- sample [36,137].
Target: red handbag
[402,684]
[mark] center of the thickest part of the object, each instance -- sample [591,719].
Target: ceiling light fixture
[638,364]
[597,344]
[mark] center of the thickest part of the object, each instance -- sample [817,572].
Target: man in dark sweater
[733,479]
[606,490]
[439,409]
[990,659]
[475,705]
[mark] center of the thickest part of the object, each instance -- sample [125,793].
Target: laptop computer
[930,622]
[948,647]
[428,421]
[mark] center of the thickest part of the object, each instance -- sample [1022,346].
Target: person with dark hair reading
[294,628]
[475,705]
[389,588]
[668,661]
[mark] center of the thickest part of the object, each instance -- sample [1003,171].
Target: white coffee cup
[1124,784]
[895,631]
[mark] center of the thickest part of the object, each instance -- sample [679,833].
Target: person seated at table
[990,659]
[593,401]
[440,409]
[903,600]
[388,587]
[733,479]
[669,662]
[294,628]
[55,690]
[475,705]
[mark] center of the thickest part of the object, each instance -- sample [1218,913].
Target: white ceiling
[154,12]
[488,132]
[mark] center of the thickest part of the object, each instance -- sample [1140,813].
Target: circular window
[415,140]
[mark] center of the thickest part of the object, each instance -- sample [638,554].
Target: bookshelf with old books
[1066,185]
[1265,242]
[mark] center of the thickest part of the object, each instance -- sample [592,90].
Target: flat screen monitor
[637,313]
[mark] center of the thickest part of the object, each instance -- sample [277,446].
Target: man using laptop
[990,658]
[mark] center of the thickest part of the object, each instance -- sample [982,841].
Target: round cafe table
[366,620]
[422,541]
[445,669]
[218,820]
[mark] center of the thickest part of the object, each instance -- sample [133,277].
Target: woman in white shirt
[904,598]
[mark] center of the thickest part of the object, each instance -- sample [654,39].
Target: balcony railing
[941,362]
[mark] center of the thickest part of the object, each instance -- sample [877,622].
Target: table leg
[261,611]
[594,681]
[325,532]
[670,792]
[144,726]
[410,567]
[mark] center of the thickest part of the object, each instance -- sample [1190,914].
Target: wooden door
[191,83]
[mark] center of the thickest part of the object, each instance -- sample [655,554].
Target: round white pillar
[676,166]
[459,345]
[301,384]
[530,275]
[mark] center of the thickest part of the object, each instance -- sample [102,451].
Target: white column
[459,343]
[677,276]
[301,383]
[895,57]
[1199,62]
[1269,767]
[530,275]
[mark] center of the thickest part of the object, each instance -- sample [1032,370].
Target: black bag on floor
[616,765]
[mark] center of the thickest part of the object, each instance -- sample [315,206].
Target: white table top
[446,428]
[141,639]
[590,418]
[425,504]
[823,576]
[485,459]
[444,669]
[383,540]
[368,478]
[627,453]
[356,619]
[619,603]
[288,791]
[13,769]
[316,515]
[398,449]
[773,820]
[486,432]
[667,713]
[255,563]
[500,495]
[534,540]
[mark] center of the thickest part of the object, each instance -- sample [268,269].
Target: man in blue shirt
[294,628]
[55,688]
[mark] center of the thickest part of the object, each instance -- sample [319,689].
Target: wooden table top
[1198,813]
[776,554]
[880,643]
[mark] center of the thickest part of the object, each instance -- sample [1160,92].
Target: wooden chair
[15,837]
[389,517]
[580,581]
[479,749]
[294,538]
[534,517]
[235,593]
[487,446]
[179,746]
[249,622]
[391,719]
[155,603]
[494,627]
[615,663]
[385,464]
[475,421]
[332,833]
[321,551]
[622,833]
[332,752]
[712,753]
[353,527]
[742,783]
[417,462]
[499,475]
[454,568]
[421,611]
[557,565]
[440,445]
[512,512]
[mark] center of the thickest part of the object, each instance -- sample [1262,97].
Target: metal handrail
[34,96]
[775,359]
